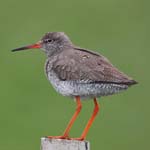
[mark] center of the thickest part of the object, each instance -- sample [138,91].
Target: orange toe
[58,137]
[78,139]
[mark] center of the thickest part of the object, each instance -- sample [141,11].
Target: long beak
[33,46]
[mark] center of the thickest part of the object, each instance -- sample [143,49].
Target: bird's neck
[57,50]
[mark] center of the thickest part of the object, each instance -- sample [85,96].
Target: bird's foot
[58,137]
[65,137]
[78,139]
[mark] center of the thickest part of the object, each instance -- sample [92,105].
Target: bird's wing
[87,67]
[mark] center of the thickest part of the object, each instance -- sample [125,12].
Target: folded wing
[84,66]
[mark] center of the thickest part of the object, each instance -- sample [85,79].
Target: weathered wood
[61,144]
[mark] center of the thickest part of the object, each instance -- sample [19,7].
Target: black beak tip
[19,49]
[13,50]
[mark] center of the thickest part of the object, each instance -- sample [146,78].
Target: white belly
[85,90]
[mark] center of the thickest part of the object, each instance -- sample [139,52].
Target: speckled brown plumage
[76,64]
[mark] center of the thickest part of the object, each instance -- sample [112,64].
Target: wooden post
[61,144]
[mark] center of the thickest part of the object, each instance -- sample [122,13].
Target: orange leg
[66,132]
[85,131]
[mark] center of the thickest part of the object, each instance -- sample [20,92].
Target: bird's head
[51,42]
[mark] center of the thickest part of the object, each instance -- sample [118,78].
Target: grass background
[29,106]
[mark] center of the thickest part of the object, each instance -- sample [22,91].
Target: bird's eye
[48,41]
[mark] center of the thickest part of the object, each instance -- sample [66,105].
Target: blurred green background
[29,106]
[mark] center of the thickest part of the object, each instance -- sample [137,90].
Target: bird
[79,73]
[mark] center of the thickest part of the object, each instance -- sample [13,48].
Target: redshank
[79,73]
